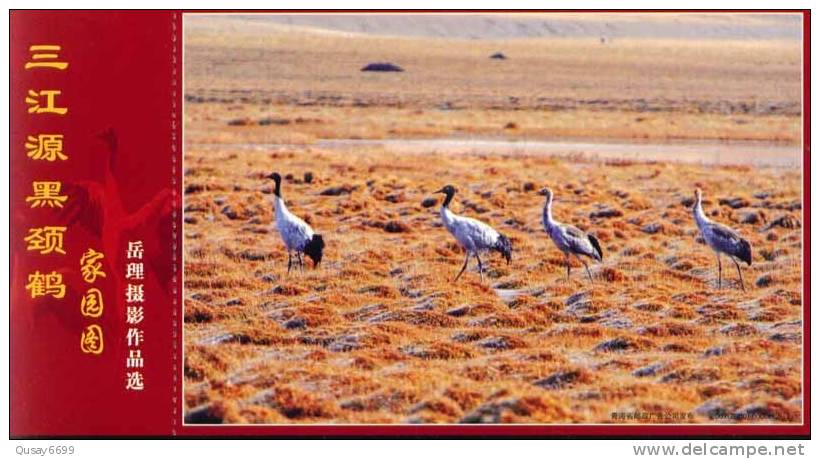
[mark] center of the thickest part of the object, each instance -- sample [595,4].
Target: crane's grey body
[294,231]
[569,239]
[473,236]
[722,240]
[297,235]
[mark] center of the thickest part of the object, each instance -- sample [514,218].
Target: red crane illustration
[97,206]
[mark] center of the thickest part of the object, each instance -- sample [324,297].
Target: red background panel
[120,79]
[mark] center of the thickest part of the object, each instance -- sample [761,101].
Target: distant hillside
[559,25]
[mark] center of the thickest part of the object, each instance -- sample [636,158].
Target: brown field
[380,334]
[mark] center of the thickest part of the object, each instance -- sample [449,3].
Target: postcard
[409,224]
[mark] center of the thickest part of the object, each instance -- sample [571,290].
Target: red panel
[120,77]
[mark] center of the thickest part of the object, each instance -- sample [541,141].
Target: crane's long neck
[278,206]
[277,189]
[278,203]
[110,139]
[446,214]
[700,217]
[547,217]
[447,200]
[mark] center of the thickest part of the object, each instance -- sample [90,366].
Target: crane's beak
[439,191]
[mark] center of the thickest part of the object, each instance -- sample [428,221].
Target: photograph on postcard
[496,218]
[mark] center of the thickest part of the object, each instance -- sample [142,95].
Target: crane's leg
[585,266]
[566,258]
[290,262]
[720,272]
[739,274]
[466,259]
[301,261]
[480,267]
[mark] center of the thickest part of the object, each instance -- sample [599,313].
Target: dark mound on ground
[381,67]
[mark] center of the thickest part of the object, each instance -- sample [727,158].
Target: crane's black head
[546,191]
[449,191]
[314,249]
[504,246]
[278,180]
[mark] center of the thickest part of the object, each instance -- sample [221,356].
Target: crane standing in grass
[568,238]
[722,239]
[472,235]
[297,235]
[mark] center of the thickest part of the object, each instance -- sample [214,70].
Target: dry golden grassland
[380,334]
[305,85]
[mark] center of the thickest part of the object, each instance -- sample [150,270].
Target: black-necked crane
[721,239]
[569,239]
[297,235]
[472,235]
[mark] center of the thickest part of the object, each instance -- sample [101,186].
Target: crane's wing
[84,205]
[150,208]
[725,233]
[729,241]
[482,234]
[295,232]
[579,241]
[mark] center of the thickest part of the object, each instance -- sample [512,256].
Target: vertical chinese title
[49,240]
[47,194]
